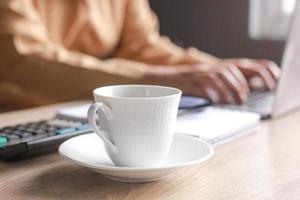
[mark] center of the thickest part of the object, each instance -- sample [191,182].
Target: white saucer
[88,151]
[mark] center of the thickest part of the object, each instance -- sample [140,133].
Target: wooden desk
[261,165]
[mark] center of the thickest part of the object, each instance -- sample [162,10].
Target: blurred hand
[222,83]
[227,81]
[264,71]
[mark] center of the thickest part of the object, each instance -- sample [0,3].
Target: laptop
[286,97]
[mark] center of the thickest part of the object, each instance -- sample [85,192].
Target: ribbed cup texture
[141,129]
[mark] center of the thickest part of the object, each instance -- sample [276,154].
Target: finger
[254,69]
[209,86]
[223,91]
[272,67]
[234,86]
[266,77]
[240,77]
[212,94]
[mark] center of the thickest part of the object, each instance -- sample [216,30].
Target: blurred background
[226,29]
[231,28]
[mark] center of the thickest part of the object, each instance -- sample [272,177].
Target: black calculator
[35,138]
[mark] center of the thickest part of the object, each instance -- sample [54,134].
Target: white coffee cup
[135,122]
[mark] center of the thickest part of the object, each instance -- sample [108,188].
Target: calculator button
[8,130]
[3,141]
[74,124]
[13,138]
[18,133]
[51,133]
[40,132]
[44,128]
[22,128]
[83,127]
[33,127]
[26,135]
[31,130]
[65,131]
[10,137]
[2,134]
[51,129]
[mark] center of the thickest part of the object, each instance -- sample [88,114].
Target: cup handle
[92,121]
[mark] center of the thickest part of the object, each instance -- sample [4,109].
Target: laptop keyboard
[260,101]
[259,95]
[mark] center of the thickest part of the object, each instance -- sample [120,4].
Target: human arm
[34,70]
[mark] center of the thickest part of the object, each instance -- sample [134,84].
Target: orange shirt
[59,50]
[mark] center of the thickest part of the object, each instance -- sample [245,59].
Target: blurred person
[52,51]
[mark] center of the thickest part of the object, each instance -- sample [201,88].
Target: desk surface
[262,165]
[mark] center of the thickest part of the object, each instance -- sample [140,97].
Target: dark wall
[219,27]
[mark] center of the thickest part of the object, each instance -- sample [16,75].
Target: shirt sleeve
[36,71]
[142,42]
